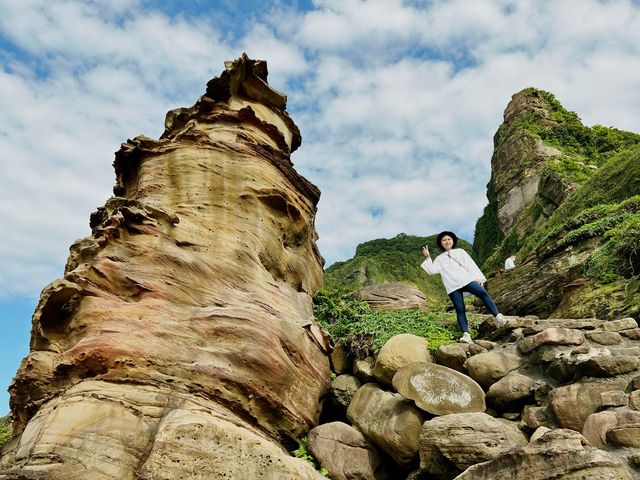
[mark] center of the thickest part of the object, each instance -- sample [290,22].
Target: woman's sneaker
[500,320]
[466,338]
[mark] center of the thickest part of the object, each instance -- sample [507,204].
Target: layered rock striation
[181,341]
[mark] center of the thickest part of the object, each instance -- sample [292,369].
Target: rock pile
[535,400]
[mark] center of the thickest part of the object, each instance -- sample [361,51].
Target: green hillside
[387,260]
[598,163]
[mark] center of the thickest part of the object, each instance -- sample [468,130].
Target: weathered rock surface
[452,443]
[114,425]
[343,388]
[551,336]
[511,390]
[439,390]
[389,421]
[346,453]
[487,368]
[398,351]
[453,356]
[557,454]
[392,296]
[572,404]
[597,425]
[185,321]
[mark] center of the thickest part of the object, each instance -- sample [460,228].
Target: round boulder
[439,390]
[397,352]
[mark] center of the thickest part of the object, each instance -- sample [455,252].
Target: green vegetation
[364,331]
[605,206]
[563,129]
[603,167]
[303,452]
[5,429]
[487,233]
[385,260]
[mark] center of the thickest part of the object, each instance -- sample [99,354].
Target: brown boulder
[439,390]
[451,443]
[398,351]
[558,454]
[489,367]
[392,296]
[346,453]
[572,404]
[389,421]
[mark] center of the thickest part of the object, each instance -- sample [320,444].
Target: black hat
[443,234]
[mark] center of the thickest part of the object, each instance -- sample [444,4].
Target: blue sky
[397,102]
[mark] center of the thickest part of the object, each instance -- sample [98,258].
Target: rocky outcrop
[563,197]
[182,336]
[452,443]
[557,454]
[392,296]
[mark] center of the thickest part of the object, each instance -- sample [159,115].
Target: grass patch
[364,331]
[303,452]
[5,430]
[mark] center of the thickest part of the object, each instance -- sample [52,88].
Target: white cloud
[397,102]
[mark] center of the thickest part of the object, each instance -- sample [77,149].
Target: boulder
[535,417]
[551,336]
[626,435]
[558,454]
[439,390]
[598,424]
[452,443]
[452,355]
[346,453]
[632,333]
[489,367]
[389,421]
[343,388]
[363,369]
[398,351]
[340,359]
[392,296]
[614,398]
[572,404]
[607,366]
[619,325]
[513,389]
[605,338]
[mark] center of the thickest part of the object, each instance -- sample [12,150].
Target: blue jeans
[457,298]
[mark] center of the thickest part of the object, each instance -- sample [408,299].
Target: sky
[397,102]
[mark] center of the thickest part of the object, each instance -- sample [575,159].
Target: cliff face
[181,338]
[564,198]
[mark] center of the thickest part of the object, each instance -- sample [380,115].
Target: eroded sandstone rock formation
[181,341]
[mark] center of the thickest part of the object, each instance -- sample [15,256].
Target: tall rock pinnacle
[181,339]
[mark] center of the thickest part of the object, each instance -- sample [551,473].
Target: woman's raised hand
[425,251]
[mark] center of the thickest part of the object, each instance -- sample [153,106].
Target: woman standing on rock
[460,275]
